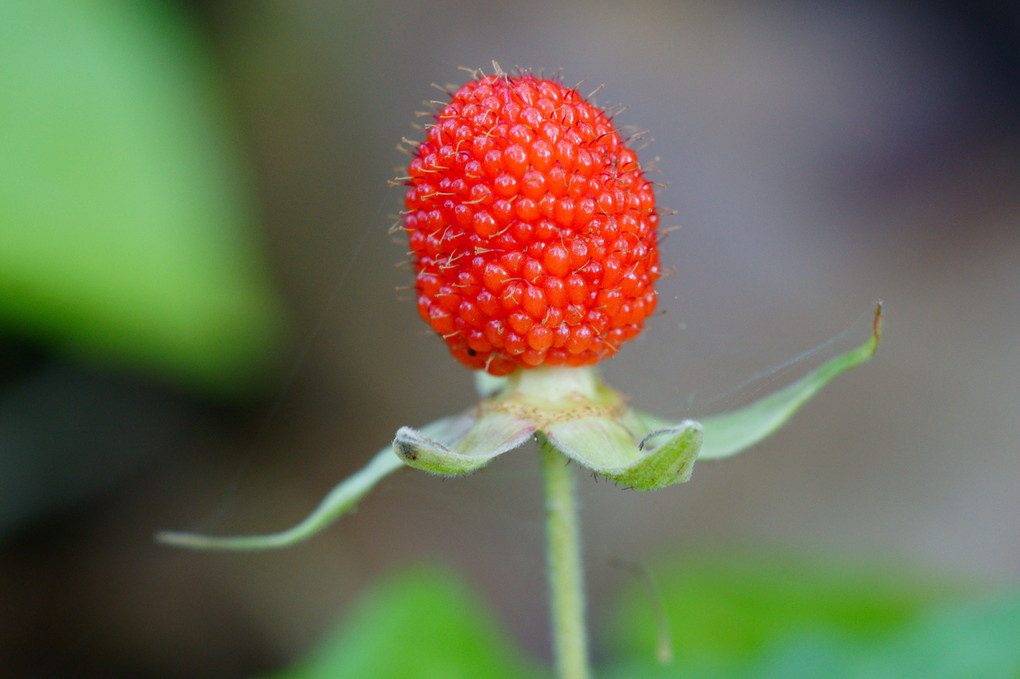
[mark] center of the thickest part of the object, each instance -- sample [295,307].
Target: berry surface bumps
[532,228]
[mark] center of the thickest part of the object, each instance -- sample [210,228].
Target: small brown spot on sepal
[406,450]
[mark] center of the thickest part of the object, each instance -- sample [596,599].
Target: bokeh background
[202,325]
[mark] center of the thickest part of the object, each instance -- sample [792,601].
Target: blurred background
[202,327]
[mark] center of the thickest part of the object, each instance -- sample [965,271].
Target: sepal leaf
[733,432]
[576,413]
[338,502]
[657,459]
[667,463]
[599,443]
[472,447]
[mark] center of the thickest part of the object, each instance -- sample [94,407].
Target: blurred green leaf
[732,617]
[126,223]
[421,624]
[727,612]
[978,638]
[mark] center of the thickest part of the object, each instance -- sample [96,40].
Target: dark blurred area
[819,156]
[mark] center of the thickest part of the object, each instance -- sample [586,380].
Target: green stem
[566,572]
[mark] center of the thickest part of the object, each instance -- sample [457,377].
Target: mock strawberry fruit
[533,233]
[532,227]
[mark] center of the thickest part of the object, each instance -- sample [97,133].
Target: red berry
[532,227]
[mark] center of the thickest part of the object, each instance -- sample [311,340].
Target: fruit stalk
[566,570]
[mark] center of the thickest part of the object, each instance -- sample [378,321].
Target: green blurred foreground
[127,229]
[728,618]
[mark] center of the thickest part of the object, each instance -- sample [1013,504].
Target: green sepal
[733,432]
[605,446]
[670,462]
[339,501]
[472,443]
[576,413]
